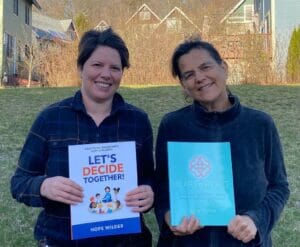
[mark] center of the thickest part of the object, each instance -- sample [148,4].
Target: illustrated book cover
[106,172]
[200,182]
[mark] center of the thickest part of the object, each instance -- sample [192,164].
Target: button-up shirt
[45,153]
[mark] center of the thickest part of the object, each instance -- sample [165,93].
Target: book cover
[106,172]
[200,182]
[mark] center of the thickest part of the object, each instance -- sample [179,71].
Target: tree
[82,23]
[30,61]
[293,59]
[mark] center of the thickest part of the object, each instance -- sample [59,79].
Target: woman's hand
[62,189]
[188,225]
[242,228]
[141,198]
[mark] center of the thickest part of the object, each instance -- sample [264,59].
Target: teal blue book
[200,182]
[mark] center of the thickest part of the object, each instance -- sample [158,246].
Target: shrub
[293,59]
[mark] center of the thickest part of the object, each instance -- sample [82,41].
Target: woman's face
[203,79]
[101,74]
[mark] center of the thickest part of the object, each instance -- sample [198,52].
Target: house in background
[102,25]
[239,20]
[49,30]
[176,21]
[144,21]
[278,18]
[15,29]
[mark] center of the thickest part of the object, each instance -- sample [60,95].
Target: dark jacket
[45,154]
[259,176]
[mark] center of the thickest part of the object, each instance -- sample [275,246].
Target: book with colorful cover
[200,182]
[106,172]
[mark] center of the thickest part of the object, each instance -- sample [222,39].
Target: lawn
[20,106]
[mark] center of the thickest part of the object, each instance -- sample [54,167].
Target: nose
[200,76]
[105,72]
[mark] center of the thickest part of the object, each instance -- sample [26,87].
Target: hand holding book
[188,225]
[62,189]
[141,198]
[242,228]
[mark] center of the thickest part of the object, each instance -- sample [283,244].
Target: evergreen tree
[293,60]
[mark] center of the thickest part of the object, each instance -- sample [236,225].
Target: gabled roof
[65,24]
[176,9]
[232,10]
[46,27]
[36,4]
[101,25]
[143,6]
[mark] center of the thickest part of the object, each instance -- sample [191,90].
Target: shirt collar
[203,116]
[77,103]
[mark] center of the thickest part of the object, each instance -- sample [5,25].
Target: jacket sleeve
[30,172]
[162,204]
[268,211]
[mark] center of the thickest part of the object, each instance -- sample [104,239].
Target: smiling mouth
[103,84]
[205,86]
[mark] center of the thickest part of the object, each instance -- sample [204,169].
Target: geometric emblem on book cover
[199,167]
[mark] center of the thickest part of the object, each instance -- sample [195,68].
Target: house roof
[36,4]
[176,9]
[232,10]
[101,25]
[46,27]
[143,6]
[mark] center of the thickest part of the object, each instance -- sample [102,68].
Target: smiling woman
[101,75]
[95,114]
[216,116]
[101,64]
[204,79]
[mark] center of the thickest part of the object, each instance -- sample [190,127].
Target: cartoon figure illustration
[98,198]
[107,204]
[93,207]
[107,197]
[116,192]
[118,204]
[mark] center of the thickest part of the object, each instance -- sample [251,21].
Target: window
[27,14]
[16,7]
[145,15]
[173,24]
[9,45]
[248,12]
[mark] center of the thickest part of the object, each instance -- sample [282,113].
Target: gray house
[47,29]
[278,18]
[239,20]
[15,29]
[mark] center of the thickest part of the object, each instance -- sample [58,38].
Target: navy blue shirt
[45,153]
[259,176]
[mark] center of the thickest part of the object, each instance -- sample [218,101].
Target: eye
[97,65]
[187,76]
[206,67]
[116,68]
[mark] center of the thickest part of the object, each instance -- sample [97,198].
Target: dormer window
[174,24]
[145,15]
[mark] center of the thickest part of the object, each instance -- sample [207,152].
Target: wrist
[43,188]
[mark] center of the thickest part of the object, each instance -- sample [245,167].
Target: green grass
[20,106]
